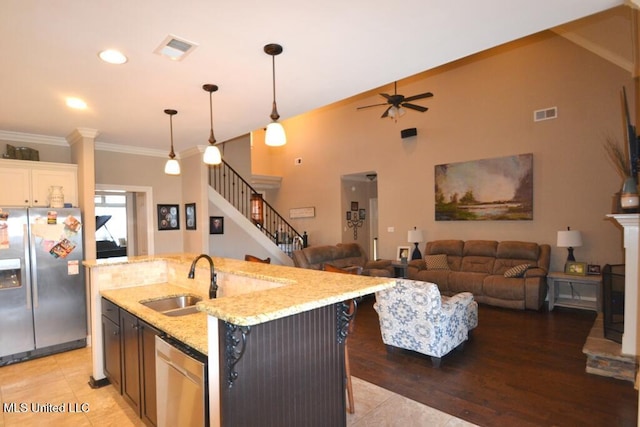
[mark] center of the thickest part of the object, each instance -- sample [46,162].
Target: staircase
[239,193]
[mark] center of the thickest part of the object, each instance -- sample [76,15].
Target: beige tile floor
[62,379]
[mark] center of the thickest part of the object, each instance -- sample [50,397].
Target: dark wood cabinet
[111,343]
[148,410]
[129,359]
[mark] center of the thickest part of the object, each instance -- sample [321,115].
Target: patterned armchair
[414,316]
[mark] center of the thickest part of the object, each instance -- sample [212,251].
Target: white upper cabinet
[27,183]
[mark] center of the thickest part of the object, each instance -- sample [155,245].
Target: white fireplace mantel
[631,225]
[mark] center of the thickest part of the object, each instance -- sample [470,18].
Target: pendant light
[173,166]
[275,136]
[212,154]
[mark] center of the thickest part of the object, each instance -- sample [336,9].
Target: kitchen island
[274,337]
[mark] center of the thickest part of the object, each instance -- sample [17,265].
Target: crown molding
[21,137]
[127,149]
[32,138]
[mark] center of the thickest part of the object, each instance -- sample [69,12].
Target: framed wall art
[485,190]
[216,225]
[190,215]
[168,217]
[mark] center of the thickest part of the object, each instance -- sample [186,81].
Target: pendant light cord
[212,139]
[274,112]
[171,153]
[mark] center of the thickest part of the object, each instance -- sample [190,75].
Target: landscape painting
[488,189]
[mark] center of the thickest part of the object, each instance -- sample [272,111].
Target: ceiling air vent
[545,114]
[175,48]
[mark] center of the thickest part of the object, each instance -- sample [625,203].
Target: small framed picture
[354,206]
[216,225]
[576,268]
[190,215]
[348,215]
[362,213]
[402,252]
[593,269]
[168,217]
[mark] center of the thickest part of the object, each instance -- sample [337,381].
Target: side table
[400,269]
[566,290]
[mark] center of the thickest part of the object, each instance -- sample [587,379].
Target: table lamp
[415,236]
[569,239]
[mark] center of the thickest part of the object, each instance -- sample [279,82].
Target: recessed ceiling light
[112,56]
[76,103]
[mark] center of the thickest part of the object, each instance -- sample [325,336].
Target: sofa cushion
[465,281]
[484,248]
[452,248]
[503,288]
[518,250]
[477,264]
[517,271]
[437,262]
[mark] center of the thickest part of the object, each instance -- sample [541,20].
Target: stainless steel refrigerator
[42,288]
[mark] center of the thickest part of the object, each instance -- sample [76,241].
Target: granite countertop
[301,290]
[191,329]
[294,290]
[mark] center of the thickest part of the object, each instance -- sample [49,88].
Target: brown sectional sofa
[479,266]
[342,255]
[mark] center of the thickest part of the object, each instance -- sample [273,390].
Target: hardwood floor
[520,368]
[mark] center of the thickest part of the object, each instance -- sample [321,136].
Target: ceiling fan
[397,103]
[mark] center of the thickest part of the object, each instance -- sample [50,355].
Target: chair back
[252,258]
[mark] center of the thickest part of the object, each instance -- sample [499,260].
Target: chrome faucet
[213,287]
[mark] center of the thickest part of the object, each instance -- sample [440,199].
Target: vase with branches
[622,164]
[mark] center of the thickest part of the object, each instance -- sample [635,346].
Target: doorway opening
[123,221]
[359,209]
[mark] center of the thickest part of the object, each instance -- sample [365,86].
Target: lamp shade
[212,155]
[415,236]
[172,167]
[275,136]
[569,239]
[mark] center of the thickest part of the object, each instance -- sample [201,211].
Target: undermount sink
[174,306]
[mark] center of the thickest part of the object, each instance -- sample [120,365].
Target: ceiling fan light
[275,136]
[212,155]
[172,167]
[401,112]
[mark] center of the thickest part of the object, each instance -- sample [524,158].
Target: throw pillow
[517,271]
[437,262]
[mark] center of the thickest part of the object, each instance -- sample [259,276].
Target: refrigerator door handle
[34,271]
[26,269]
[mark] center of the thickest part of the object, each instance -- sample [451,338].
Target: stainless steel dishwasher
[181,384]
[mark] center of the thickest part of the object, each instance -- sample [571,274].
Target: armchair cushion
[415,317]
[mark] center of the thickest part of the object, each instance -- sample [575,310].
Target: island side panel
[290,374]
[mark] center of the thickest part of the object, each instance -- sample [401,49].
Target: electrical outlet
[391,229]
[297,161]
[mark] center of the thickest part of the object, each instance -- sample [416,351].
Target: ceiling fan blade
[421,96]
[385,96]
[373,105]
[415,107]
[386,113]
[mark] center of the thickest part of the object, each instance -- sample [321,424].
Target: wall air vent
[175,48]
[545,114]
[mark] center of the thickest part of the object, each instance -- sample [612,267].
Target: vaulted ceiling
[332,50]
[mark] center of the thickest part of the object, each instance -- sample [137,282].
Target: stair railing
[230,185]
